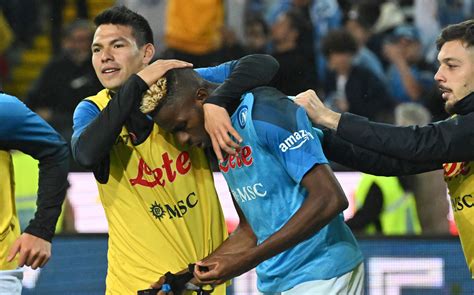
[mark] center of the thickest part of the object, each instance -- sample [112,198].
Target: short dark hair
[365,13]
[76,25]
[121,15]
[338,41]
[257,20]
[463,31]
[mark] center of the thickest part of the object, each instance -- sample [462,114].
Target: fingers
[38,262]
[169,64]
[33,258]
[158,69]
[217,148]
[22,257]
[33,251]
[224,140]
[14,250]
[206,273]
[228,141]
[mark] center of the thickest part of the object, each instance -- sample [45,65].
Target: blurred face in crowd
[77,45]
[455,75]
[116,55]
[256,37]
[281,29]
[340,62]
[412,49]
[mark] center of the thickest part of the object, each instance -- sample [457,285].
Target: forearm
[92,146]
[307,221]
[443,141]
[52,186]
[248,72]
[25,131]
[361,159]
[409,82]
[241,239]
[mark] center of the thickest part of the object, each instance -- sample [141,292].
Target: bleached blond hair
[153,96]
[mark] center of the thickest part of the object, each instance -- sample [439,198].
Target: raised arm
[96,131]
[361,159]
[443,141]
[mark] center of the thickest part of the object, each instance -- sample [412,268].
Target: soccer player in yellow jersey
[158,196]
[23,130]
[390,150]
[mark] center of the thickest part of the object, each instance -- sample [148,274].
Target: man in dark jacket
[390,150]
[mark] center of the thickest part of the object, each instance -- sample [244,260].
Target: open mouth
[110,70]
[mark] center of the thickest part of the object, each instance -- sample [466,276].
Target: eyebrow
[450,59]
[119,39]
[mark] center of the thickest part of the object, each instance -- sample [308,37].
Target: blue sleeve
[23,130]
[85,112]
[291,138]
[217,74]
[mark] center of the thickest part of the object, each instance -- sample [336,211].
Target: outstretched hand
[316,110]
[33,251]
[219,127]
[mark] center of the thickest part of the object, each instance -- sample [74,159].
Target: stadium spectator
[395,150]
[409,76]
[256,35]
[23,130]
[289,202]
[162,209]
[66,79]
[290,40]
[324,15]
[352,87]
[359,23]
[57,21]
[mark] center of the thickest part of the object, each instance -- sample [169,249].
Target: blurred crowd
[362,56]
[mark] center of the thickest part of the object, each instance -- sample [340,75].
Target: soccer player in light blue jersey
[288,200]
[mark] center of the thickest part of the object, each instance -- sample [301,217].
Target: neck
[211,87]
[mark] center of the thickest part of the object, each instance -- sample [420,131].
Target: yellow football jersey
[161,206]
[460,180]
[9,225]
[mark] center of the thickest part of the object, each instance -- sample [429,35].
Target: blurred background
[351,52]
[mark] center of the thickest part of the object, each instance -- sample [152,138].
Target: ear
[202,94]
[148,53]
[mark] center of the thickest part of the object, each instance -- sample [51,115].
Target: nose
[106,55]
[183,137]
[439,77]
